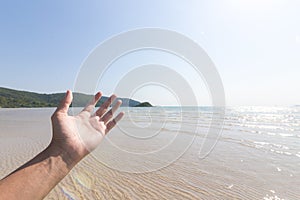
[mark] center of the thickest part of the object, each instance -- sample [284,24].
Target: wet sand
[256,157]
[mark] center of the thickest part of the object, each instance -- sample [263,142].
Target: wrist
[68,157]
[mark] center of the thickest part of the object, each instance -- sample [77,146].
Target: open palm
[78,135]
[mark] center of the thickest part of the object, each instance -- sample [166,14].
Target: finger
[105,105]
[91,105]
[65,102]
[113,122]
[107,116]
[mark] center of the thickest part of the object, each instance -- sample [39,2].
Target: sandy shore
[236,169]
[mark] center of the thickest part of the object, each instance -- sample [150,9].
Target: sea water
[154,154]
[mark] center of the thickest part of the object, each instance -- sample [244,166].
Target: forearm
[73,138]
[35,179]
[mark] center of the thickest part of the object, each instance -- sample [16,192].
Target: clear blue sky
[255,44]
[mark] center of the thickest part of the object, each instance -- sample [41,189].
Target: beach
[154,154]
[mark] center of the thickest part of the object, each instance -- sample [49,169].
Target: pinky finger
[113,122]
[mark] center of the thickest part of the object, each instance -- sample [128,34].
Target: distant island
[10,98]
[144,104]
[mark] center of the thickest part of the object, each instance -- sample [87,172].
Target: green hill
[144,104]
[10,98]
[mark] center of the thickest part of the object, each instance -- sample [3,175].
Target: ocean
[169,153]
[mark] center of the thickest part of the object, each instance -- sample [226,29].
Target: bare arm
[73,138]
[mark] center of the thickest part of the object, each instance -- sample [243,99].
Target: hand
[73,138]
[79,135]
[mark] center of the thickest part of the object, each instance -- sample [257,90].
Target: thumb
[65,102]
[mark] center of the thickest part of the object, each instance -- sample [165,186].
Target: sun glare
[254,4]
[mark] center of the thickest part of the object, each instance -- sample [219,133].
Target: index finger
[91,105]
[103,108]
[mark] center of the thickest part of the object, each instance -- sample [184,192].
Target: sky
[254,44]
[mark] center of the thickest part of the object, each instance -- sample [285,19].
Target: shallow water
[154,154]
